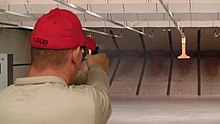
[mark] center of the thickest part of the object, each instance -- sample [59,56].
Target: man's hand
[98,59]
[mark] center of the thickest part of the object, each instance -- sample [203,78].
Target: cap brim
[90,43]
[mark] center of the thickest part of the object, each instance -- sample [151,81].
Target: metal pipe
[171,17]
[183,37]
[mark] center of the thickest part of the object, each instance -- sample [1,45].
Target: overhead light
[97,15]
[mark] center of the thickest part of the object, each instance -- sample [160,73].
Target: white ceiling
[134,13]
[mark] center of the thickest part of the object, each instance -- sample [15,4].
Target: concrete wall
[131,73]
[16,42]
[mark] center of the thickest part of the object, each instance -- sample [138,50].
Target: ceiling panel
[40,8]
[205,7]
[71,9]
[12,22]
[29,23]
[3,1]
[182,16]
[140,8]
[204,16]
[205,1]
[150,16]
[3,17]
[166,17]
[113,25]
[169,1]
[185,24]
[159,23]
[216,23]
[13,2]
[179,7]
[37,15]
[88,1]
[107,8]
[160,8]
[92,18]
[139,24]
[17,18]
[2,6]
[127,1]
[40,1]
[18,8]
[81,16]
[94,24]
[124,16]
[202,23]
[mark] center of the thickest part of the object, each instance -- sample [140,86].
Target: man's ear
[76,55]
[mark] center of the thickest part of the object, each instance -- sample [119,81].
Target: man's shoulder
[7,89]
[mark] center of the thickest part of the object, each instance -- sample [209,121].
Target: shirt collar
[39,80]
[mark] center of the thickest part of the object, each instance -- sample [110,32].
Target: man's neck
[49,72]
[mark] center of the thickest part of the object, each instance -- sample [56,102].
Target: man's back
[47,96]
[48,100]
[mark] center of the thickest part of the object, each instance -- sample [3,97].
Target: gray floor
[153,105]
[165,110]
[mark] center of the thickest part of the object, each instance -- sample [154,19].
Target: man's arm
[82,75]
[81,78]
[99,82]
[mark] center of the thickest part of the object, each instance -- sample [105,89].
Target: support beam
[198,62]
[119,58]
[115,42]
[171,62]
[144,65]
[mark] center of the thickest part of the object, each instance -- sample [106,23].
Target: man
[47,95]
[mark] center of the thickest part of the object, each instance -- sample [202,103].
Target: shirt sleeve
[81,78]
[99,82]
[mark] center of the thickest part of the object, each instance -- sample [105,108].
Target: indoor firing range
[164,54]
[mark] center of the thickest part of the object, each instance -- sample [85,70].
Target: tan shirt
[48,100]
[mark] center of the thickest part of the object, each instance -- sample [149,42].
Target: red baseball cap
[59,29]
[90,43]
